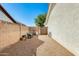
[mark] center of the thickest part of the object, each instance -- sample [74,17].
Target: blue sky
[25,12]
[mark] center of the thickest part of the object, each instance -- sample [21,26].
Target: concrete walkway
[51,48]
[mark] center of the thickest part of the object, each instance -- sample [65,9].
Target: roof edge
[6,13]
[51,6]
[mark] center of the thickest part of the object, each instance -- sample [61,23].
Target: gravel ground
[22,48]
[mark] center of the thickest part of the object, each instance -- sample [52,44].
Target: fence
[10,33]
[42,31]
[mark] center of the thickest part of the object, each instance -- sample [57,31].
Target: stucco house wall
[63,25]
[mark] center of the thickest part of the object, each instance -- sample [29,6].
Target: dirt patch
[23,48]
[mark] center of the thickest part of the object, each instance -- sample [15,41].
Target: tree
[40,19]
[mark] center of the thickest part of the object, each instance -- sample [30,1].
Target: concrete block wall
[42,31]
[10,33]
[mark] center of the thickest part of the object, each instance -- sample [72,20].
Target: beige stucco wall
[63,23]
[10,34]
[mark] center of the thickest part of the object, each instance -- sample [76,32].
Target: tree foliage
[40,19]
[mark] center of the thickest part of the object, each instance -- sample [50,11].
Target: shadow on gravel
[22,48]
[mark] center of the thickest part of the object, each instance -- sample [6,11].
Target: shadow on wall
[22,48]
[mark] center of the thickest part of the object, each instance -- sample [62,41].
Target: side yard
[36,46]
